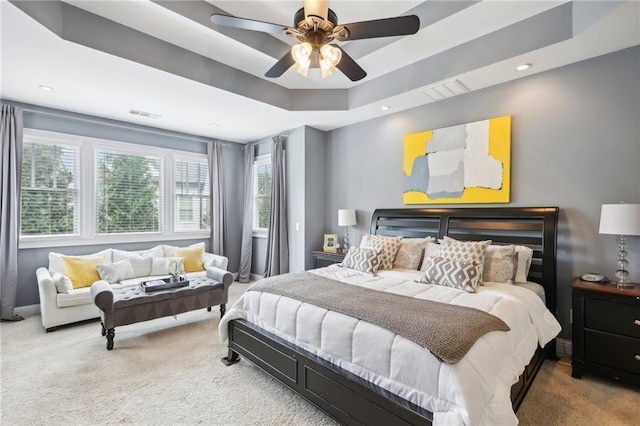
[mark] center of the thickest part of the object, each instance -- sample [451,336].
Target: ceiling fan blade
[349,67]
[281,66]
[401,25]
[247,24]
[318,8]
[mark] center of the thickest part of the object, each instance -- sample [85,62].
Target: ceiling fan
[316,26]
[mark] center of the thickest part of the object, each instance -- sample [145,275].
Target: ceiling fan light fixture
[331,54]
[302,67]
[301,52]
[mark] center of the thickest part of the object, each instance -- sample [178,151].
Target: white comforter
[475,390]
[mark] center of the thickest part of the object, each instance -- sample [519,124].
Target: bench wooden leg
[104,330]
[110,334]
[223,309]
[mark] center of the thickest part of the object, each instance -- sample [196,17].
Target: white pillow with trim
[56,264]
[116,271]
[160,265]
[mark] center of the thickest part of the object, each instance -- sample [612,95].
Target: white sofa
[61,304]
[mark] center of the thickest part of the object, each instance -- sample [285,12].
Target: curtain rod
[130,128]
[266,141]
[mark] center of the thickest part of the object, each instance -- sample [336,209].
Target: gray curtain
[218,214]
[244,272]
[278,238]
[11,172]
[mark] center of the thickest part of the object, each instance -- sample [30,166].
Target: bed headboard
[535,227]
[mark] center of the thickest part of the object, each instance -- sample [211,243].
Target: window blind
[192,194]
[262,194]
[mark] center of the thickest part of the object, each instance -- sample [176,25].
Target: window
[192,195]
[128,193]
[261,194]
[49,197]
[79,190]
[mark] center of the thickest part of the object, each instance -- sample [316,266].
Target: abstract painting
[468,163]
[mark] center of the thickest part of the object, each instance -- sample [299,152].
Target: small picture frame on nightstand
[330,243]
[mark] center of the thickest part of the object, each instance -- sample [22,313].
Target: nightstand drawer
[611,350]
[620,318]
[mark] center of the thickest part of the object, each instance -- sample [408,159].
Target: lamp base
[625,284]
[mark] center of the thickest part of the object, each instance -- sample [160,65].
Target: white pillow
[56,264]
[156,251]
[524,263]
[169,250]
[141,264]
[160,265]
[432,250]
[63,283]
[116,272]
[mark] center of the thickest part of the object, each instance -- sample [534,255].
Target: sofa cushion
[193,258]
[116,271]
[82,271]
[157,251]
[77,297]
[56,264]
[141,264]
[169,251]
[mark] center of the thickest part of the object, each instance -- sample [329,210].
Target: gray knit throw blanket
[447,331]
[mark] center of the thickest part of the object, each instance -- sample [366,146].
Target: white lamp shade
[346,217]
[620,219]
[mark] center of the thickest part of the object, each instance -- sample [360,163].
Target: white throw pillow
[56,264]
[500,264]
[141,264]
[524,263]
[169,250]
[156,251]
[160,265]
[62,282]
[116,272]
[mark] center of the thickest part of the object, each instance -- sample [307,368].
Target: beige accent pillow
[193,258]
[500,264]
[411,252]
[62,282]
[82,271]
[388,246]
[468,251]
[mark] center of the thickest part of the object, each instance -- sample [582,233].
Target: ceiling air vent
[443,90]
[144,114]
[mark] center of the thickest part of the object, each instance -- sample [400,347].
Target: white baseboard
[255,277]
[564,348]
[27,311]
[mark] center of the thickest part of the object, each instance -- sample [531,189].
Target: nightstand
[606,330]
[323,258]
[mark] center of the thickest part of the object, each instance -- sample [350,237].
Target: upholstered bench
[129,305]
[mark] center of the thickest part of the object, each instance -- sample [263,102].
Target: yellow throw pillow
[193,258]
[82,271]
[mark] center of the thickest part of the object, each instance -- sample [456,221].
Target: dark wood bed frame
[354,401]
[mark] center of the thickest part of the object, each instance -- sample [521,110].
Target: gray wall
[29,259]
[575,145]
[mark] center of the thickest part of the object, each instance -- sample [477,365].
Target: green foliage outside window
[48,194]
[128,193]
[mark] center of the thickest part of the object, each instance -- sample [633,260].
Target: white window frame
[87,203]
[259,161]
[193,159]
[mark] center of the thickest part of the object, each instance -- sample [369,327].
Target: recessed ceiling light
[45,88]
[214,125]
[523,67]
[386,108]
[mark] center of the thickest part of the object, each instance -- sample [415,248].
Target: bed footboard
[348,398]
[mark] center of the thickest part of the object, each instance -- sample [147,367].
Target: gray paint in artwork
[454,137]
[447,186]
[419,178]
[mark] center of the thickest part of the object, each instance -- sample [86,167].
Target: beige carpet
[168,371]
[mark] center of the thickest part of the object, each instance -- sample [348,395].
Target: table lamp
[346,218]
[621,219]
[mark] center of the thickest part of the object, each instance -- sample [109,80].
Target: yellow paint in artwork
[499,148]
[415,145]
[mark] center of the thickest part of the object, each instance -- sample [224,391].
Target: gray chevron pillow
[361,259]
[452,273]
